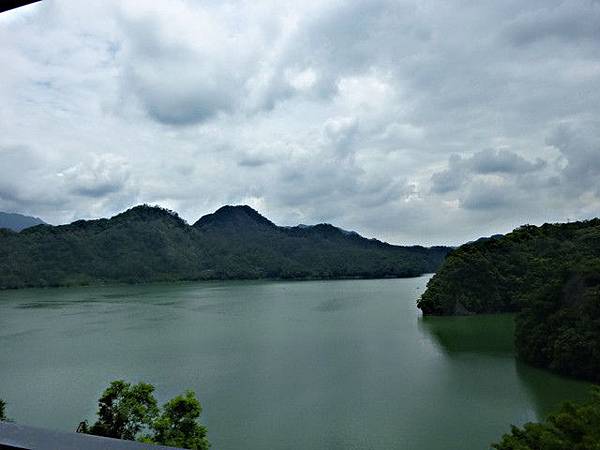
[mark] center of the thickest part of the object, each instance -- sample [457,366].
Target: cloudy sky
[427,122]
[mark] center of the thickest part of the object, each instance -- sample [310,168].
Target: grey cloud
[483,196]
[503,161]
[24,179]
[344,111]
[102,176]
[580,148]
[461,170]
[340,132]
[252,161]
[450,179]
[176,82]
[569,21]
[175,102]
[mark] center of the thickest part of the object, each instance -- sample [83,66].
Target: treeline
[153,244]
[549,275]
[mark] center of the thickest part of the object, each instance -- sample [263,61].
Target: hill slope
[549,275]
[18,222]
[152,244]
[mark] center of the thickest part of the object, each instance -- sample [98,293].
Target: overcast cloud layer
[414,122]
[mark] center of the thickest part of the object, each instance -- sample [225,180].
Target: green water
[277,365]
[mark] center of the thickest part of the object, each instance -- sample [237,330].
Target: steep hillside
[549,275]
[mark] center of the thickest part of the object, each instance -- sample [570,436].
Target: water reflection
[548,391]
[492,336]
[486,334]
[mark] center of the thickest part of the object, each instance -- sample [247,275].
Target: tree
[574,427]
[2,411]
[177,425]
[124,410]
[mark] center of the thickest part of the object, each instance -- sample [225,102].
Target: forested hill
[18,222]
[153,244]
[549,275]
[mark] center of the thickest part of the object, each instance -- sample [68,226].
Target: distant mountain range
[148,243]
[18,222]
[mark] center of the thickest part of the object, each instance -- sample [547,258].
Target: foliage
[177,426]
[549,275]
[496,274]
[149,243]
[130,412]
[559,327]
[124,410]
[3,410]
[574,427]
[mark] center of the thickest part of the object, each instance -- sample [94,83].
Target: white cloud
[339,111]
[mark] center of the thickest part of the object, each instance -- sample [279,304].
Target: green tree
[124,410]
[574,427]
[178,426]
[2,410]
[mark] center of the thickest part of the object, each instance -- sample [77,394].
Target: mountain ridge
[17,222]
[150,243]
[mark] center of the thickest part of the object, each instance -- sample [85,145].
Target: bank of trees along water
[153,244]
[549,276]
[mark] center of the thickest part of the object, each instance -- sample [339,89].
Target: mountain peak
[147,212]
[234,216]
[17,222]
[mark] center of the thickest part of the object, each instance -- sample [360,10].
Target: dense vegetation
[2,410]
[18,222]
[153,244]
[574,427]
[549,275]
[130,412]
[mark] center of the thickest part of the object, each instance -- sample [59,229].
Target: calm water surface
[277,365]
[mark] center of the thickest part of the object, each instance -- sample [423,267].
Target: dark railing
[22,437]
[10,4]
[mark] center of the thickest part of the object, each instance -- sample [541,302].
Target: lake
[277,365]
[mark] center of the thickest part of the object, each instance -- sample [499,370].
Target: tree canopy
[574,427]
[124,410]
[178,425]
[129,411]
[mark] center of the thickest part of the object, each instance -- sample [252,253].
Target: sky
[416,122]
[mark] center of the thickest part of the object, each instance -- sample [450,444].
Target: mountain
[18,222]
[548,275]
[148,243]
[234,218]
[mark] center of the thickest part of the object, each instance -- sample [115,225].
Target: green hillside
[153,244]
[548,275]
